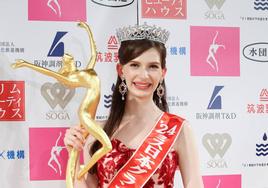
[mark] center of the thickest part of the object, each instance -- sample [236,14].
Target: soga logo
[217,144]
[56,94]
[212,13]
[217,3]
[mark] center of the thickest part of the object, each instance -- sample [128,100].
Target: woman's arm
[188,158]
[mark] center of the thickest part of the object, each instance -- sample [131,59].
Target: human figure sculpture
[70,76]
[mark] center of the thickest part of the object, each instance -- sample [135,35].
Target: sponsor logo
[217,145]
[214,50]
[212,13]
[111,55]
[113,3]
[57,47]
[113,43]
[256,52]
[10,47]
[261,4]
[261,151]
[164,9]
[264,95]
[262,148]
[177,50]
[215,104]
[11,154]
[48,155]
[215,3]
[52,63]
[262,106]
[55,10]
[215,100]
[12,101]
[108,98]
[223,181]
[57,94]
[258,5]
[56,50]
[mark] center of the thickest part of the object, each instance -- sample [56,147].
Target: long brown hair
[130,50]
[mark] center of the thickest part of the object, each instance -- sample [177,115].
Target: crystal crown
[144,31]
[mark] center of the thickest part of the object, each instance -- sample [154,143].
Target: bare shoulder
[185,136]
[189,163]
[186,128]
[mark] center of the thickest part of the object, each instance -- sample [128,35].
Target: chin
[139,97]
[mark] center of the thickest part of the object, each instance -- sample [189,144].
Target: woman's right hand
[74,138]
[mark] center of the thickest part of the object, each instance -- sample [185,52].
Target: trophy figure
[71,77]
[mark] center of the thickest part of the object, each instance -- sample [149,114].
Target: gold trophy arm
[70,76]
[92,60]
[22,63]
[71,168]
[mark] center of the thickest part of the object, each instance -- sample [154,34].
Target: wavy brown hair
[128,51]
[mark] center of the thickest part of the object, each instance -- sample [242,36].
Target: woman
[148,143]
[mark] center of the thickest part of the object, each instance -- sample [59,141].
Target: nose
[144,73]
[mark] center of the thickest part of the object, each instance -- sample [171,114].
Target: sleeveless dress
[108,166]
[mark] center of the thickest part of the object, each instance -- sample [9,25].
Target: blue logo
[108,99]
[262,149]
[57,47]
[2,154]
[261,4]
[215,100]
[12,154]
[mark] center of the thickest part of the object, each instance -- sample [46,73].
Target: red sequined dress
[108,166]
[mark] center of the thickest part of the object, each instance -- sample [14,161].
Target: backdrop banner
[217,66]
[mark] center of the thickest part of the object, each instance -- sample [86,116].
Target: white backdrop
[226,106]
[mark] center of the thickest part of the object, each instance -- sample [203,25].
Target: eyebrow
[153,62]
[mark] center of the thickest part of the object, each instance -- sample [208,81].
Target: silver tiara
[144,31]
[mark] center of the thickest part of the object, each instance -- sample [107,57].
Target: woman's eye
[134,65]
[154,66]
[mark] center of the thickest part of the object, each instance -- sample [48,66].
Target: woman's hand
[74,138]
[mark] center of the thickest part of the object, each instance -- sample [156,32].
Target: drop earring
[123,88]
[160,91]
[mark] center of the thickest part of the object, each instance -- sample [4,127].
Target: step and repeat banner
[217,79]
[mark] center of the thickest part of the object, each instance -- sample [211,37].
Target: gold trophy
[71,77]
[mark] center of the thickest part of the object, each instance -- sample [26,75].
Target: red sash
[149,156]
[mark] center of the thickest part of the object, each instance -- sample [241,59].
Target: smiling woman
[142,74]
[149,143]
